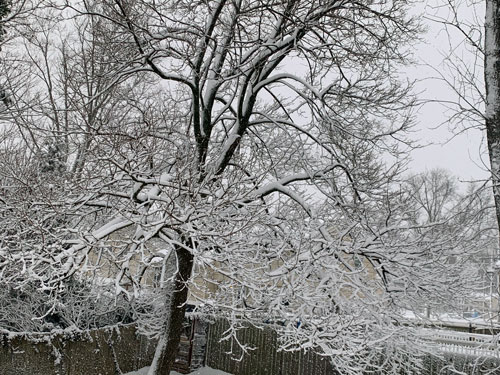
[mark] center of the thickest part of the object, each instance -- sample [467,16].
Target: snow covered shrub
[80,305]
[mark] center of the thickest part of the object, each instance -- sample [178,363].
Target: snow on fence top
[464,343]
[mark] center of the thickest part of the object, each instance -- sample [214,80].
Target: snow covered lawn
[201,371]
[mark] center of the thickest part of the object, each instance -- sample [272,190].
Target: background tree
[492,103]
[471,74]
[435,193]
[4,10]
[12,14]
[45,137]
[470,70]
[438,197]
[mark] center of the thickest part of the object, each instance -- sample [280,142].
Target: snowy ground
[202,371]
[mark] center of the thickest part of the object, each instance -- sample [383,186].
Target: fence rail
[462,343]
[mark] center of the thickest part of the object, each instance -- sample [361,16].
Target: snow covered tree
[47,133]
[239,153]
[437,197]
[492,83]
[470,70]
[472,74]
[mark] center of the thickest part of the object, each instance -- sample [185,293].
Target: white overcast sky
[463,154]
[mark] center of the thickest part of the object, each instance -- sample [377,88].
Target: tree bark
[166,349]
[492,82]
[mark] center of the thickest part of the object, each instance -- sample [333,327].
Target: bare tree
[4,10]
[472,28]
[437,197]
[492,98]
[435,192]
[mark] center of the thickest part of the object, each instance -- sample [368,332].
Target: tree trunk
[166,349]
[492,82]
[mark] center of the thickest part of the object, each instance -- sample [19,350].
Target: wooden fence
[265,359]
[118,350]
[469,355]
[105,351]
[97,352]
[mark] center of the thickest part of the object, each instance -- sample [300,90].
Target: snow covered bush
[79,306]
